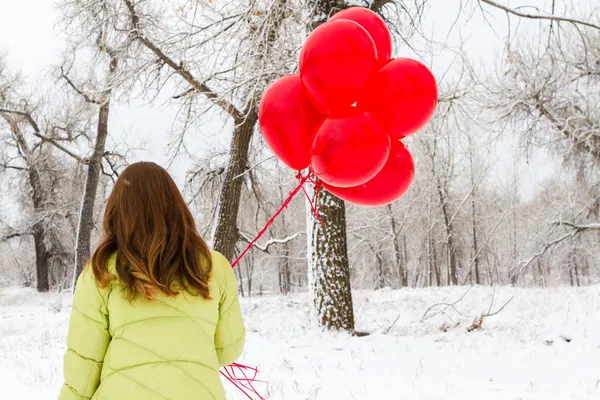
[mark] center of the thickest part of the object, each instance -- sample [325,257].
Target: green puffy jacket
[170,349]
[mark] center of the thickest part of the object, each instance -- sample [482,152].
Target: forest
[471,217]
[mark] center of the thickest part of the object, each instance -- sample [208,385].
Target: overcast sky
[29,37]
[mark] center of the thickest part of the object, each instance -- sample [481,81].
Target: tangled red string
[242,380]
[246,376]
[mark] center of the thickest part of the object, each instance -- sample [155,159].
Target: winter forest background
[507,188]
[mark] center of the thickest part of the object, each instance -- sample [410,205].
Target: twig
[448,305]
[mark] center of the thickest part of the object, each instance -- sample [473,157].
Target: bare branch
[60,147]
[544,249]
[37,132]
[27,116]
[13,235]
[538,16]
[180,68]
[86,97]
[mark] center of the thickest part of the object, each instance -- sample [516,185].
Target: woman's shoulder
[221,268]
[219,262]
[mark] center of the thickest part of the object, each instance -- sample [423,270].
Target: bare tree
[257,29]
[87,23]
[35,144]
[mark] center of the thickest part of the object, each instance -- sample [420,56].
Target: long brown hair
[149,226]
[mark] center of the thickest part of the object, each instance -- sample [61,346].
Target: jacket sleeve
[87,340]
[230,335]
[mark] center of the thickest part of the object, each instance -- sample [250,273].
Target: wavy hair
[150,228]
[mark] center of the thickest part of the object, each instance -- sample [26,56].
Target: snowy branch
[245,237]
[576,229]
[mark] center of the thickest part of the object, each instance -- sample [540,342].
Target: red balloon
[388,185]
[376,27]
[335,63]
[350,151]
[402,97]
[289,121]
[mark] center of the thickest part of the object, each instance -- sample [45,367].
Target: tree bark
[226,232]
[329,269]
[88,202]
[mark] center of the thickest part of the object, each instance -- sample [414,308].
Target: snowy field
[545,344]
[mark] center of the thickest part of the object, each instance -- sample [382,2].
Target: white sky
[28,35]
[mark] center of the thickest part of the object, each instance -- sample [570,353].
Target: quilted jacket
[167,349]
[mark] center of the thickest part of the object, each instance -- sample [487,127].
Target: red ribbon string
[293,193]
[244,382]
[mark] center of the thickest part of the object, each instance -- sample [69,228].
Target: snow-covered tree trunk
[329,269]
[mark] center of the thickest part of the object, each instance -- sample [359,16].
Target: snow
[520,353]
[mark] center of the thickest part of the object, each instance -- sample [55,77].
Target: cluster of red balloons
[347,111]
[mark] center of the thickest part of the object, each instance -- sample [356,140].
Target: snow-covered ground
[545,344]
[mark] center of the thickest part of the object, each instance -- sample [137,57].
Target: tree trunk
[540,271]
[329,270]
[405,260]
[240,281]
[226,233]
[402,278]
[450,249]
[42,256]
[429,263]
[380,272]
[284,271]
[474,217]
[249,271]
[442,191]
[42,259]
[513,271]
[88,202]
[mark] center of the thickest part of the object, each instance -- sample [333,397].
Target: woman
[156,313]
